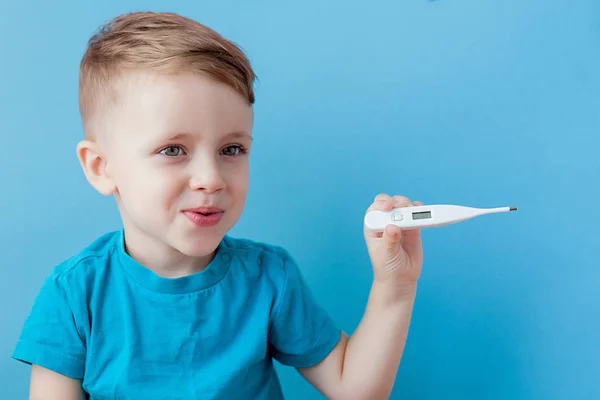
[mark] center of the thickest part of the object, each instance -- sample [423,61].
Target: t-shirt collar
[213,273]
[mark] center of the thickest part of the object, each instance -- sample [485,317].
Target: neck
[162,259]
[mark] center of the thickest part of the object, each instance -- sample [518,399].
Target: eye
[240,150]
[172,151]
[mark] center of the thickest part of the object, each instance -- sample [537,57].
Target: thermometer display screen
[422,215]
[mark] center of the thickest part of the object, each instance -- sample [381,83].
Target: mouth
[204,216]
[205,210]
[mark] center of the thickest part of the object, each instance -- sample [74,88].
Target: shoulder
[277,271]
[273,260]
[91,260]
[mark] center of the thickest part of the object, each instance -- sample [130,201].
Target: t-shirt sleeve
[302,333]
[49,337]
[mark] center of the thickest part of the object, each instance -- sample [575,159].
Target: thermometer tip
[513,209]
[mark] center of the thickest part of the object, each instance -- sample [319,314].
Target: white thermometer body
[426,216]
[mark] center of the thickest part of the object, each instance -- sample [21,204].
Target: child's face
[176,143]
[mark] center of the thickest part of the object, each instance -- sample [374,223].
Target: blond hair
[160,42]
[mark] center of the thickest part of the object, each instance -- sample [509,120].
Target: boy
[171,307]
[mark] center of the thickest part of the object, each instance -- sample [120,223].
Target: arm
[365,365]
[49,385]
[52,344]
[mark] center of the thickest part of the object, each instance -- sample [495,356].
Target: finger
[417,203]
[401,201]
[372,234]
[385,202]
[392,235]
[380,205]
[383,196]
[383,205]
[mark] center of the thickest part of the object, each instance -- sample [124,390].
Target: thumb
[391,237]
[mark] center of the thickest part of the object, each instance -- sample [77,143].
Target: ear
[95,167]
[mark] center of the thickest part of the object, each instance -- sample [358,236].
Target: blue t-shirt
[128,333]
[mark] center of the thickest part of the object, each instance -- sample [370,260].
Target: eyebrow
[238,134]
[233,135]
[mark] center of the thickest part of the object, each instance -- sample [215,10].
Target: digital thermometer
[415,217]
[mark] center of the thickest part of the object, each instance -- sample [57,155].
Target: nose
[206,175]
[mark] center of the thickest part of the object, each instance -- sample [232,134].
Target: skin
[177,142]
[173,143]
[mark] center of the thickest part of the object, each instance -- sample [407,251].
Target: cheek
[149,189]
[239,186]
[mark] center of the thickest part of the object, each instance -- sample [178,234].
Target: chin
[200,246]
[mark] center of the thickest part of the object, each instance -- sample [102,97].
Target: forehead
[153,106]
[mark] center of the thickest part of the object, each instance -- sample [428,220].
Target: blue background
[479,103]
